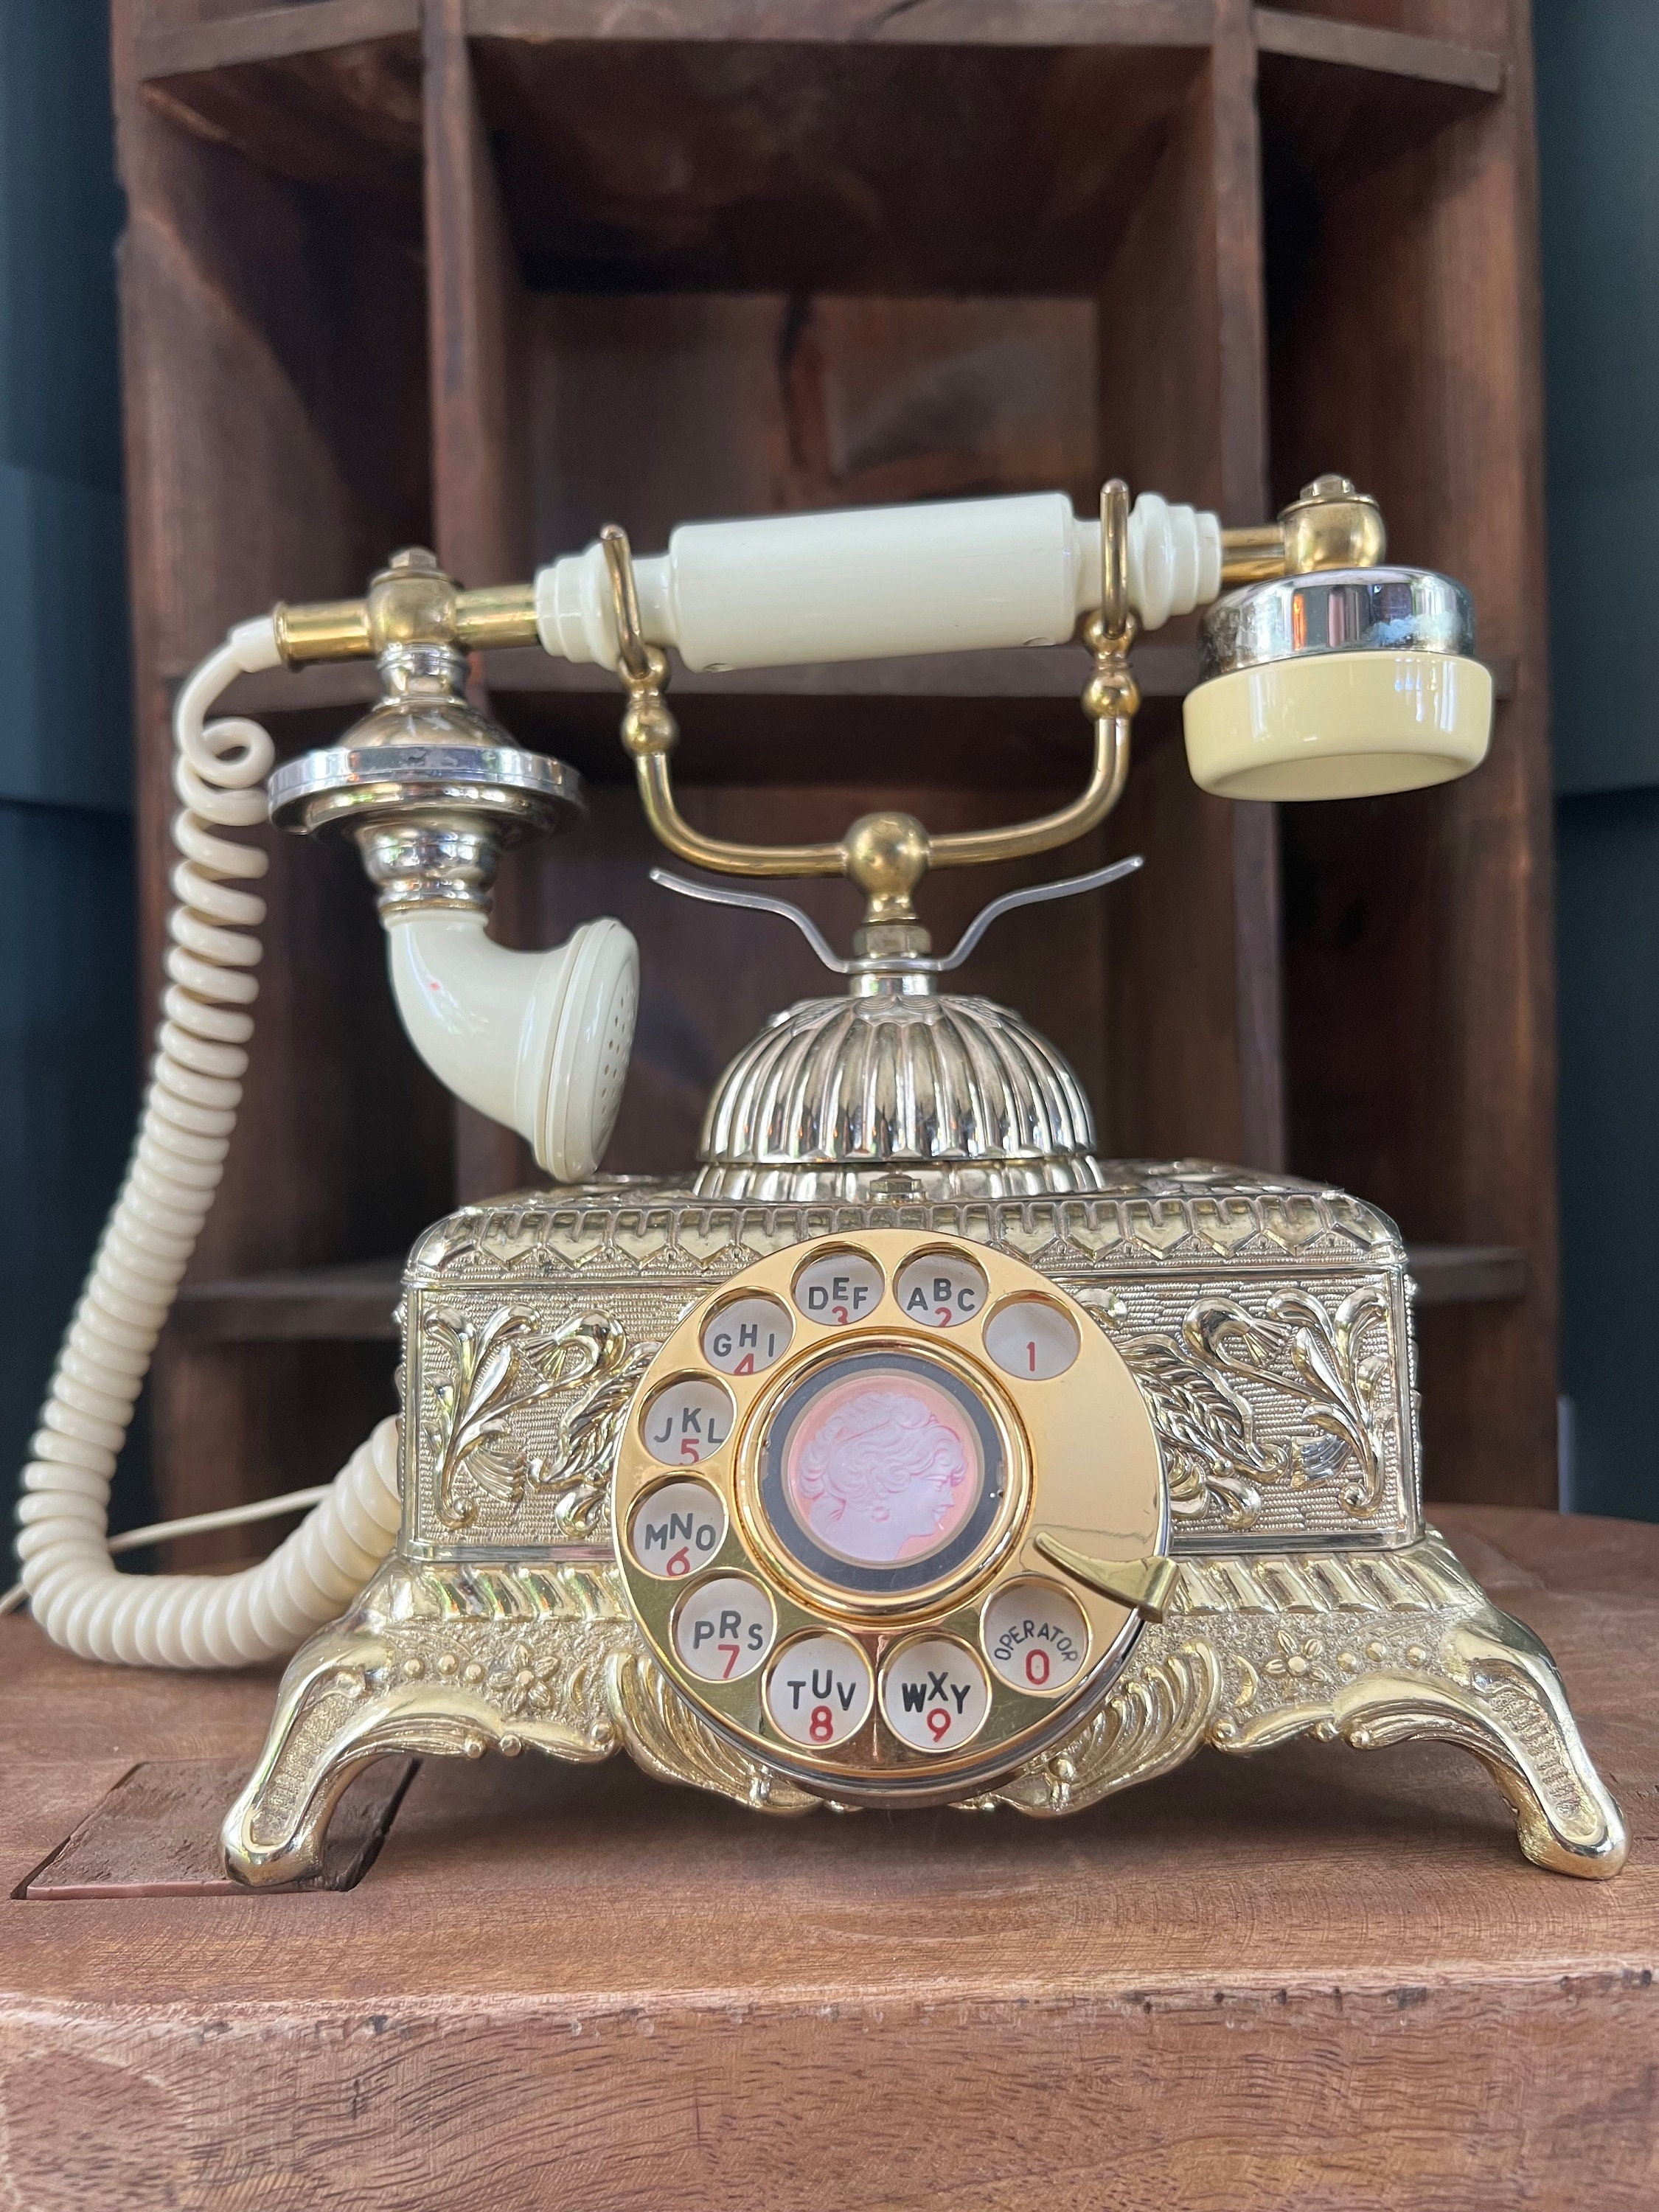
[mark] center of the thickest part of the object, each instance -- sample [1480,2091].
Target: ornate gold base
[1368,1647]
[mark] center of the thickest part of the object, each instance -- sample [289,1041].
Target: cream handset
[1328,674]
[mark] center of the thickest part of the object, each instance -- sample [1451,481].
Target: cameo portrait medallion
[881,1472]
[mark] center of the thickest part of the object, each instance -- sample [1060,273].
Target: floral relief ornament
[1298,1659]
[500,1366]
[1207,1423]
[524,1686]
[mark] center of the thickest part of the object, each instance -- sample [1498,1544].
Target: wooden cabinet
[488,273]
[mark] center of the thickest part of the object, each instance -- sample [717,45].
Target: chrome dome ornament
[898,1083]
[955,1094]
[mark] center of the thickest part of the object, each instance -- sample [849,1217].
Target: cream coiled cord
[76,1590]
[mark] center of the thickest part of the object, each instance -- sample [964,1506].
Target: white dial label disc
[820,1690]
[934,1694]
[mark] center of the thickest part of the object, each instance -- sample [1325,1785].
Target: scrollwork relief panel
[516,1408]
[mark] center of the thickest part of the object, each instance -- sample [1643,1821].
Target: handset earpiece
[1344,677]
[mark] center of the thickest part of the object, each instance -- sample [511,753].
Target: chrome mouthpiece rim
[530,792]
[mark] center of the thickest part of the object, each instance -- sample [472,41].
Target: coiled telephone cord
[78,1594]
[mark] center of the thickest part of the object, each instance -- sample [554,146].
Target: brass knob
[411,602]
[887,856]
[1332,524]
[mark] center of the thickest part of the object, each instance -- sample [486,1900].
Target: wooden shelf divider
[1381,52]
[174,49]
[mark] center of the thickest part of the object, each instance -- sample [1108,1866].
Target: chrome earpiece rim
[1386,609]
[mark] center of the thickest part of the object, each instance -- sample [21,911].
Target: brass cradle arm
[886,854]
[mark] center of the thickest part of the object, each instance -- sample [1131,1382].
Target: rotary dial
[888,1508]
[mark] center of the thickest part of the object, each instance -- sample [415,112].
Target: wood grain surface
[156,1834]
[1311,1978]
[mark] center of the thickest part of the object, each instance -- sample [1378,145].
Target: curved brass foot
[434,1662]
[453,1661]
[1502,1699]
[1371,1648]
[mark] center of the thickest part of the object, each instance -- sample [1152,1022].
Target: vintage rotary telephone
[909,1452]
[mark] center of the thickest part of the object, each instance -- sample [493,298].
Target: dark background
[72,1038]
[69,1043]
[1598,124]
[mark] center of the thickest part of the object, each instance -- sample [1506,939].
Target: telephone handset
[908,1450]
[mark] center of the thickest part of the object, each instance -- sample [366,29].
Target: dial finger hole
[820,1691]
[723,1629]
[934,1694]
[745,1336]
[1035,1636]
[940,1290]
[1032,1339]
[839,1287]
[686,1420]
[676,1528]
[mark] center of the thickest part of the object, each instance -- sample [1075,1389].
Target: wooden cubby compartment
[482,275]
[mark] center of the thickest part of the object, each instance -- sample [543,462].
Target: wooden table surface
[1316,1977]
